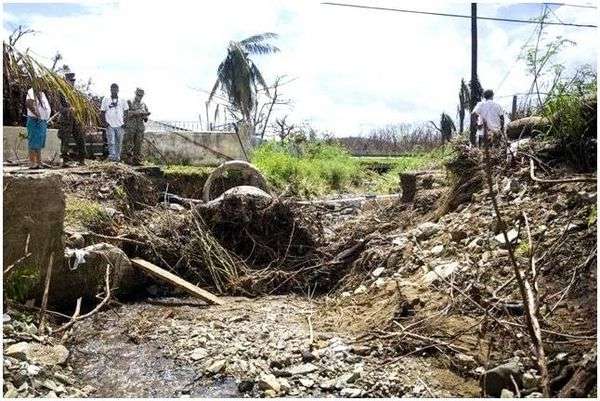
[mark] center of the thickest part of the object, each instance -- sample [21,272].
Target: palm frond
[24,71]
[259,38]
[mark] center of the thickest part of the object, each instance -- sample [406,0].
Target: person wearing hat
[69,129]
[134,129]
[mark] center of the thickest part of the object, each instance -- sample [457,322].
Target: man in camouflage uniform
[69,129]
[134,129]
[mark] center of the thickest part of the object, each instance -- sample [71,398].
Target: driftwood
[178,282]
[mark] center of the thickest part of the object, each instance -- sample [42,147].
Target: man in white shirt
[38,113]
[114,112]
[490,116]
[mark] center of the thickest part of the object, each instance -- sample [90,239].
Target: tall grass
[309,168]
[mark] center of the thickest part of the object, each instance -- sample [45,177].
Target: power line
[456,15]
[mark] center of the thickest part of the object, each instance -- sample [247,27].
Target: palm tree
[239,78]
[446,127]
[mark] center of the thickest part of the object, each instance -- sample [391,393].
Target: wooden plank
[172,279]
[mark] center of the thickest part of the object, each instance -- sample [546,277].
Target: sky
[351,70]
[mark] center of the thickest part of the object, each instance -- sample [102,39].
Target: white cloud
[355,68]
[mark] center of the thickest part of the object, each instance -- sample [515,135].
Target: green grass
[315,168]
[85,213]
[308,169]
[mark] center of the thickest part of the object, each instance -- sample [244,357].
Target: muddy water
[149,350]
[118,363]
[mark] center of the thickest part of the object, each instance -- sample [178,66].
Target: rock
[437,250]
[18,350]
[11,393]
[246,386]
[270,393]
[327,384]
[302,369]
[427,230]
[308,356]
[199,353]
[176,206]
[535,394]
[506,394]
[361,350]
[6,318]
[499,378]
[400,241]
[308,383]
[442,271]
[512,235]
[466,361]
[377,272]
[33,370]
[458,235]
[361,289]
[511,185]
[350,392]
[530,380]
[379,283]
[47,354]
[51,394]
[268,382]
[64,378]
[75,241]
[284,384]
[217,366]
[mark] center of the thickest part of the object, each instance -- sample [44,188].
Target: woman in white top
[38,113]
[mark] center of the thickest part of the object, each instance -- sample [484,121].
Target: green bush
[307,168]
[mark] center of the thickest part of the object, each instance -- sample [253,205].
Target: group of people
[122,119]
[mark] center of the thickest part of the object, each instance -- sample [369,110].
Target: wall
[190,147]
[15,144]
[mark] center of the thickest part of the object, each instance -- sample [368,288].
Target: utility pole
[475,92]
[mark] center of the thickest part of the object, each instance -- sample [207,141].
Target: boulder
[47,354]
[499,378]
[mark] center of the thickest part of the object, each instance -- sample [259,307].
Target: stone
[350,392]
[327,384]
[361,289]
[198,353]
[530,380]
[6,318]
[302,369]
[268,382]
[458,235]
[270,393]
[176,206]
[284,384]
[47,354]
[217,366]
[535,394]
[466,361]
[377,272]
[437,250]
[75,241]
[512,235]
[246,386]
[308,383]
[18,350]
[11,393]
[427,230]
[308,356]
[63,378]
[506,394]
[33,370]
[379,283]
[442,271]
[499,378]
